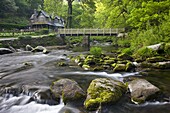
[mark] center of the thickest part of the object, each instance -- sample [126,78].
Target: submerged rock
[103,91]
[141,89]
[5,51]
[68,89]
[45,96]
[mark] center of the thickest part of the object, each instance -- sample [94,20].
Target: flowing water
[25,80]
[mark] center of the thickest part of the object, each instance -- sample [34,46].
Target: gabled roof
[44,13]
[57,17]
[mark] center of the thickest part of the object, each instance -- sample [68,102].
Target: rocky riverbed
[53,82]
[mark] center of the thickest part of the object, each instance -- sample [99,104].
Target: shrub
[128,51]
[145,52]
[44,31]
[167,49]
[96,51]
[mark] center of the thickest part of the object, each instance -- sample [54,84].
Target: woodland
[146,21]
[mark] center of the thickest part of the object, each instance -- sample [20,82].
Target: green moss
[119,67]
[98,68]
[92,104]
[110,61]
[124,56]
[167,49]
[86,67]
[145,52]
[103,91]
[129,66]
[128,51]
[155,59]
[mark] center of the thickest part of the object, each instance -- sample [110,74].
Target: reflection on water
[23,75]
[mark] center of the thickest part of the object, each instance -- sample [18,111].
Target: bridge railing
[90,31]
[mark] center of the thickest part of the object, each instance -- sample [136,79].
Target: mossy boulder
[109,62]
[90,60]
[86,67]
[80,58]
[119,67]
[155,59]
[146,65]
[68,89]
[98,68]
[103,91]
[162,65]
[122,61]
[141,90]
[130,67]
[124,56]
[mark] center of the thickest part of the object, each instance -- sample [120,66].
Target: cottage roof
[44,13]
[57,17]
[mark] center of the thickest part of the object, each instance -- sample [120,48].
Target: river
[24,74]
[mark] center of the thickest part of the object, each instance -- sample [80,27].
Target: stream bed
[24,74]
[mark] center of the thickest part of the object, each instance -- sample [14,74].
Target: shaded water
[23,75]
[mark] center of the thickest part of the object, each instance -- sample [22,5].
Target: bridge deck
[91,32]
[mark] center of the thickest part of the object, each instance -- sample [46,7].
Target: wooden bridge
[90,32]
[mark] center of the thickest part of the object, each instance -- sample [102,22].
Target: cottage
[41,19]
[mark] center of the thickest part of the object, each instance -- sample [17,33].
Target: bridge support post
[86,42]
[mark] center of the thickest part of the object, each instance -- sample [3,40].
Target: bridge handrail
[90,31]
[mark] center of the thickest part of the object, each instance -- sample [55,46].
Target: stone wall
[45,41]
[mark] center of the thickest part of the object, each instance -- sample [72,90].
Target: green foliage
[128,51]
[167,49]
[42,31]
[96,51]
[145,53]
[12,26]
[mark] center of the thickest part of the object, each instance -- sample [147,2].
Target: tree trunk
[69,19]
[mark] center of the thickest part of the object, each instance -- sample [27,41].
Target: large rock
[29,48]
[103,91]
[141,89]
[40,49]
[156,47]
[162,65]
[155,59]
[119,67]
[5,51]
[125,56]
[68,89]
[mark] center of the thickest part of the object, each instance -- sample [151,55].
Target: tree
[7,7]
